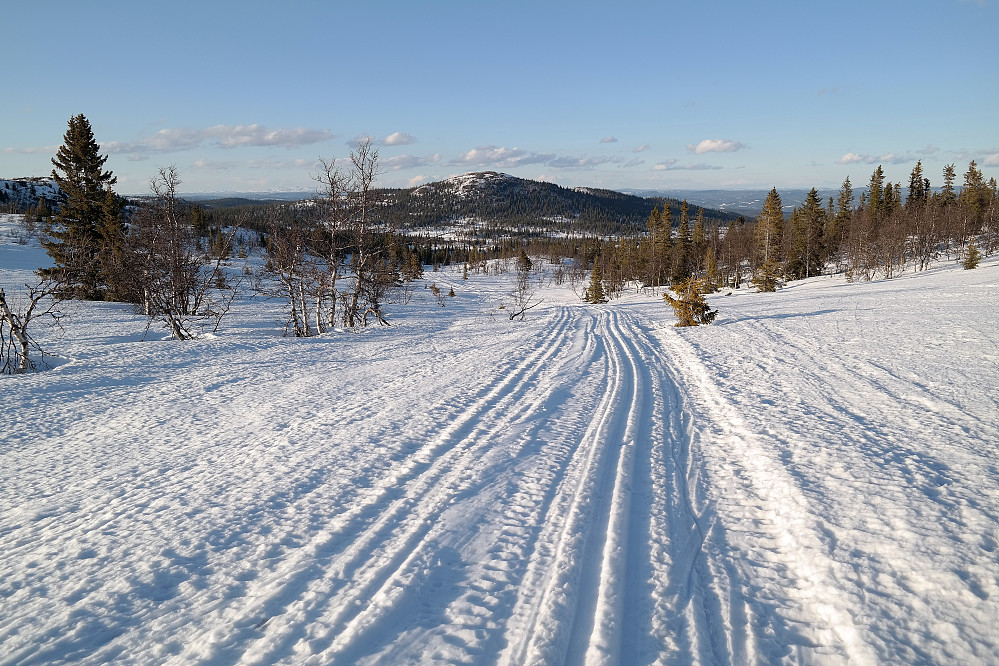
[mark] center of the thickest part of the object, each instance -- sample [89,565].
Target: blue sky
[687,95]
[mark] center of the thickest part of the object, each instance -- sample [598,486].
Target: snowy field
[813,479]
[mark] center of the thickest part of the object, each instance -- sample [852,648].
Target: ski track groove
[392,581]
[495,584]
[618,581]
[591,572]
[292,594]
[544,638]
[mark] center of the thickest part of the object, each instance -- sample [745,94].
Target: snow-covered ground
[813,479]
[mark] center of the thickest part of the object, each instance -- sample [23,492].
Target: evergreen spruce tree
[804,254]
[919,188]
[947,194]
[698,239]
[689,305]
[975,194]
[111,250]
[658,249]
[595,291]
[681,248]
[838,220]
[972,256]
[74,237]
[768,236]
[876,194]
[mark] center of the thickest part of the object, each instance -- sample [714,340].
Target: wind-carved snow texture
[813,479]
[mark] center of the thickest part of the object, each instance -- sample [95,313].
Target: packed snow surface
[813,479]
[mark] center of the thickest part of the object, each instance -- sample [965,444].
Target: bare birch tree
[16,318]
[177,282]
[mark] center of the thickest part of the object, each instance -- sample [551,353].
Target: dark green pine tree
[876,194]
[111,253]
[972,256]
[975,195]
[838,222]
[698,240]
[595,292]
[681,248]
[74,237]
[689,305]
[947,195]
[768,235]
[805,247]
[919,188]
[662,246]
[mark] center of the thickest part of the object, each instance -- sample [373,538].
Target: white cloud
[409,161]
[359,139]
[584,162]
[232,136]
[674,165]
[398,139]
[417,180]
[851,158]
[210,165]
[991,160]
[394,139]
[641,149]
[501,157]
[885,158]
[507,158]
[609,139]
[170,140]
[31,151]
[716,146]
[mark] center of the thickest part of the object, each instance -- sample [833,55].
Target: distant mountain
[747,203]
[503,200]
[236,201]
[221,198]
[488,198]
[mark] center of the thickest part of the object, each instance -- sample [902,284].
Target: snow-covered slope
[26,192]
[812,479]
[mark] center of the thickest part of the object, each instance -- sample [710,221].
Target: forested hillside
[495,203]
[503,201]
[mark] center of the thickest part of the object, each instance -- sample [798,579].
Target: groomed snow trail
[529,507]
[814,479]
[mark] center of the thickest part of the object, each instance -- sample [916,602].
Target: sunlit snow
[814,478]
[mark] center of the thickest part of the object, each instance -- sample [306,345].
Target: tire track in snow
[309,588]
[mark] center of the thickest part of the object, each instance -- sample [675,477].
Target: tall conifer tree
[769,233]
[805,247]
[74,233]
[947,194]
[919,188]
[681,248]
[876,194]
